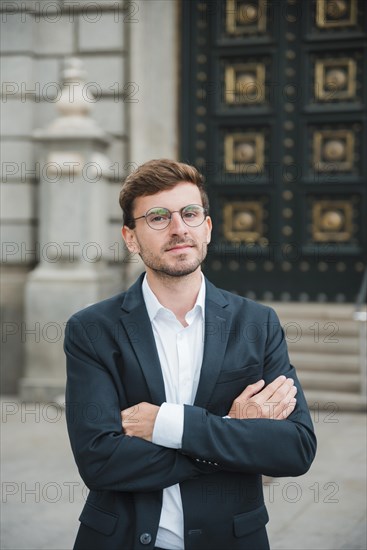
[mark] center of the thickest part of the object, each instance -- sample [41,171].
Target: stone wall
[36,37]
[130,51]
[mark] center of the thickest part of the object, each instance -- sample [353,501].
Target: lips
[179,246]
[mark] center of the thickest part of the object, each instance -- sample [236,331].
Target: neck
[178,294]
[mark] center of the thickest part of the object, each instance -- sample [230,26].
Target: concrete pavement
[42,493]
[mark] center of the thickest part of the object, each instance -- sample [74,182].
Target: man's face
[178,249]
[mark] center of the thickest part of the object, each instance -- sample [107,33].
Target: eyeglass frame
[205,212]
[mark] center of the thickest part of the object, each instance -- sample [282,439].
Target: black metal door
[274,115]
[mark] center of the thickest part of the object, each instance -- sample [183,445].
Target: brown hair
[155,176]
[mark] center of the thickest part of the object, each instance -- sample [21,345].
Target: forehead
[181,195]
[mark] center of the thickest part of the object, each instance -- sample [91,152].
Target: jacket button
[146,538]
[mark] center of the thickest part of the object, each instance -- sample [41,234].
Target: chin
[181,271]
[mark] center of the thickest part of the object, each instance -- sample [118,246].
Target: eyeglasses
[159,218]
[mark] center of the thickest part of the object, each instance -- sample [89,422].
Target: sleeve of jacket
[263,446]
[107,459]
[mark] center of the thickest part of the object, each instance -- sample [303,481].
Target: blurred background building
[266,97]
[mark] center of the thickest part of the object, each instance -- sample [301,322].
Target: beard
[179,266]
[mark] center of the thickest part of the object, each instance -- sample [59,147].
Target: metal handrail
[360,314]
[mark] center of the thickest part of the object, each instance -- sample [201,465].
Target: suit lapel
[217,319]
[138,327]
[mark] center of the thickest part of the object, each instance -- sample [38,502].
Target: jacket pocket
[248,522]
[98,519]
[242,373]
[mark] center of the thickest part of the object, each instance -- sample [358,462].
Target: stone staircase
[324,346]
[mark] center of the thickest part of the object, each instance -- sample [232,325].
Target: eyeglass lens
[159,217]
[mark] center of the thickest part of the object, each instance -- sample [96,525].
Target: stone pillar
[157,108]
[72,271]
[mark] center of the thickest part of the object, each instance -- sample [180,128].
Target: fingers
[129,416]
[274,386]
[139,420]
[283,400]
[287,409]
[252,389]
[238,405]
[285,392]
[275,401]
[280,399]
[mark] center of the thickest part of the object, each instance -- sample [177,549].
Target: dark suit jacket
[112,364]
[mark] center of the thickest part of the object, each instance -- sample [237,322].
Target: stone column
[156,110]
[72,271]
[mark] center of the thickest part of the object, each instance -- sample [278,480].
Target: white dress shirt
[180,351]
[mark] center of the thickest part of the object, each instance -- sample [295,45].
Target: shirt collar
[154,306]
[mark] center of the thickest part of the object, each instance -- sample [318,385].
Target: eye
[190,215]
[158,216]
[191,212]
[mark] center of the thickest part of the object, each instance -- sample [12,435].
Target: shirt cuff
[168,426]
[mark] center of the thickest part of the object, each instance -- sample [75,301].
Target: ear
[129,237]
[209,225]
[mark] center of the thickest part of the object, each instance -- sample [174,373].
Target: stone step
[339,382]
[325,363]
[318,328]
[314,310]
[333,403]
[332,345]
[324,345]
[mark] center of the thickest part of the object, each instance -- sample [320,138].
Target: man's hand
[139,420]
[276,401]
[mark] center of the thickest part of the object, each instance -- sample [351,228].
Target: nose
[177,226]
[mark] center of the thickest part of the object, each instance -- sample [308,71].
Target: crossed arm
[256,438]
[266,433]
[275,401]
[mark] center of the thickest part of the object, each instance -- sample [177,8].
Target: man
[179,395]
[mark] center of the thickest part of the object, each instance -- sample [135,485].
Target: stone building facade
[131,96]
[91,89]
